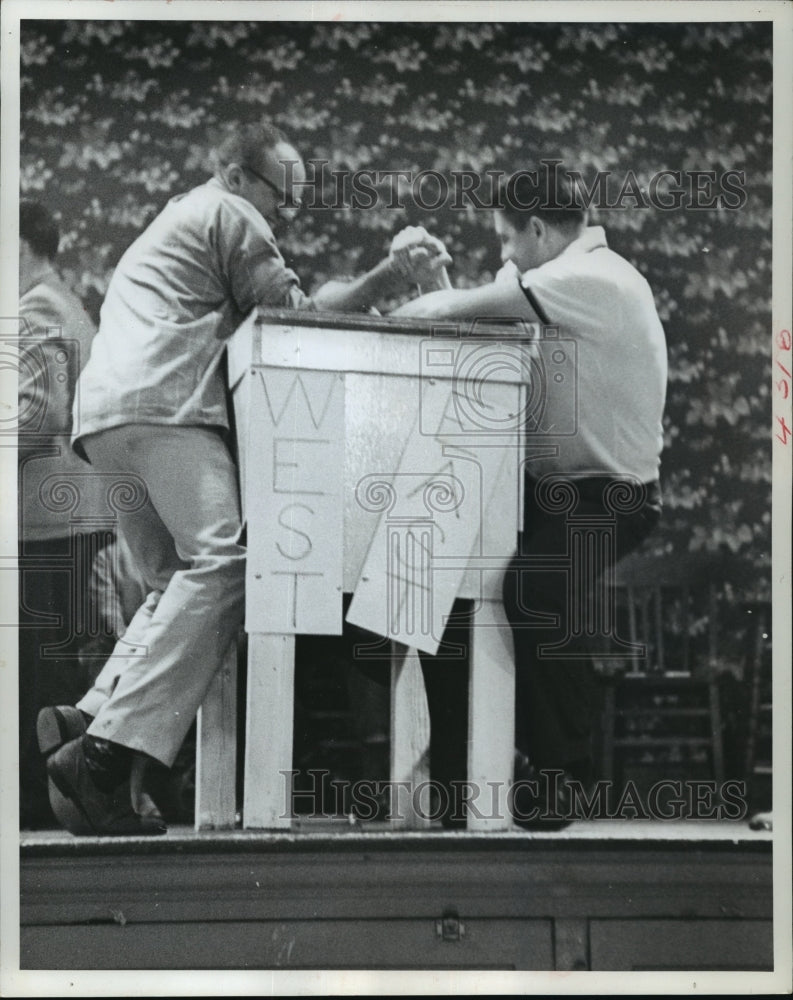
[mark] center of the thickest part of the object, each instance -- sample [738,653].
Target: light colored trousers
[185,540]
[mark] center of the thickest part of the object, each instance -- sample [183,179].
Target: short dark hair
[544,191]
[245,144]
[39,228]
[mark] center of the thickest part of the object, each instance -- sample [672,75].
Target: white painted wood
[410,741]
[404,425]
[216,750]
[269,726]
[496,542]
[491,717]
[294,485]
[241,403]
[241,349]
[430,512]
[282,345]
[380,411]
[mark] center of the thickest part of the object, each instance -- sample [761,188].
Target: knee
[227,562]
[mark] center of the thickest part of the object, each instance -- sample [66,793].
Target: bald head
[249,144]
[283,164]
[259,163]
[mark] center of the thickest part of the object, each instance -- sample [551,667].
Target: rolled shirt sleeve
[182,288]
[249,257]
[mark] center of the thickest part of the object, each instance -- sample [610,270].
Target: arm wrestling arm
[415,256]
[350,296]
[280,287]
[419,257]
[502,299]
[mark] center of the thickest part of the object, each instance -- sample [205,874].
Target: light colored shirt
[56,334]
[599,388]
[177,293]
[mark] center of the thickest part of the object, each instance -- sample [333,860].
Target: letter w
[278,407]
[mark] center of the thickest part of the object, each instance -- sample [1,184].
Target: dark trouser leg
[557,699]
[554,698]
[446,684]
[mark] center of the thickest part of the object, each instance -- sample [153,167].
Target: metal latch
[450,927]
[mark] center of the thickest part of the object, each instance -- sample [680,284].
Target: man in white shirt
[594,428]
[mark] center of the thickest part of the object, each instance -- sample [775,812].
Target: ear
[234,176]
[537,227]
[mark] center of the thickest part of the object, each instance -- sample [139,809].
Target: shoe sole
[71,814]
[60,724]
[68,814]
[57,725]
[67,809]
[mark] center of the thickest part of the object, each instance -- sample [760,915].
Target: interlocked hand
[417,256]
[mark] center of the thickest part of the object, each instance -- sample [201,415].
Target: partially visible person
[56,334]
[153,405]
[115,592]
[602,439]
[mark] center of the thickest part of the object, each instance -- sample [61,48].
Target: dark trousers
[556,698]
[446,686]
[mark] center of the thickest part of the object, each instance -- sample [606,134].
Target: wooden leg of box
[269,726]
[410,739]
[216,750]
[491,718]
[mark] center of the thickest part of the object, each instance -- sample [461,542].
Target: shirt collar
[592,238]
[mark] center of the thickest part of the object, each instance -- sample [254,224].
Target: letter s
[307,547]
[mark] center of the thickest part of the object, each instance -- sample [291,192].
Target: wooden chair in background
[663,712]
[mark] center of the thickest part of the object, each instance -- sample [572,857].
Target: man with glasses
[151,407]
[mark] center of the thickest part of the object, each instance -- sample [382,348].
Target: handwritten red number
[783,343]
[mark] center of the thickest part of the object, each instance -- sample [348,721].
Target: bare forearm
[434,305]
[498,300]
[350,296]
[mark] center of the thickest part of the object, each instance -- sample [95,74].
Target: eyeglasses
[283,200]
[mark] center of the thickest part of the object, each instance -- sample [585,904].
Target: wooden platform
[602,895]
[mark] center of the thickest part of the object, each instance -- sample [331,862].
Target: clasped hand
[420,258]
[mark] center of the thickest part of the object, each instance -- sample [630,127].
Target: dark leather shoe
[59,724]
[531,798]
[83,809]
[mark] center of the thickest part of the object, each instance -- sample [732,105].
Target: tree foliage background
[119,116]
